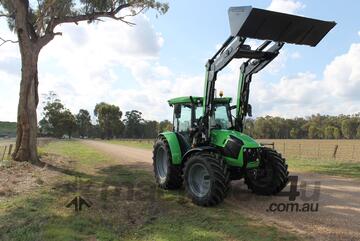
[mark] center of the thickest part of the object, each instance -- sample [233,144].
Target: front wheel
[271,176]
[206,178]
[167,175]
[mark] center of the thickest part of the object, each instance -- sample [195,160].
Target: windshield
[221,118]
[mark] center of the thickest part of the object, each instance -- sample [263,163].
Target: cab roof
[196,99]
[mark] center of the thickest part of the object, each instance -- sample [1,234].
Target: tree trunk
[26,148]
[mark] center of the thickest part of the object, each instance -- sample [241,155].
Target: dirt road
[338,200]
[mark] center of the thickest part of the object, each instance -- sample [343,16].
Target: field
[333,157]
[318,156]
[341,150]
[147,214]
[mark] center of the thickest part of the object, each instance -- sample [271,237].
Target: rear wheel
[206,178]
[271,176]
[167,175]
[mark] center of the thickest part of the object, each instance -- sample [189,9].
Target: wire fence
[341,150]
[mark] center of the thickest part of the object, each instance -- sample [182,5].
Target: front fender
[174,145]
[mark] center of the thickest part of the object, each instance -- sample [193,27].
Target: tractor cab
[188,112]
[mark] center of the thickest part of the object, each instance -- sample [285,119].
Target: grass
[307,164]
[328,167]
[144,144]
[126,205]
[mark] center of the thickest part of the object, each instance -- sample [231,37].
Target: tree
[337,133]
[348,128]
[358,132]
[95,131]
[329,132]
[57,119]
[119,129]
[83,122]
[52,118]
[109,118]
[67,123]
[34,25]
[165,125]
[249,127]
[294,133]
[133,124]
[314,132]
[150,129]
[263,128]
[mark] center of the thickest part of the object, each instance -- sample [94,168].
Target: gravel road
[336,218]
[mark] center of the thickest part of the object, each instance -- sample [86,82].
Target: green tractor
[207,149]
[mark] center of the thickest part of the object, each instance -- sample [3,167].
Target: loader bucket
[262,24]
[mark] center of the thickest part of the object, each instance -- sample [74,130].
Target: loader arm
[272,27]
[234,47]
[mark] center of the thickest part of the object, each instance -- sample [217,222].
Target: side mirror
[177,111]
[249,110]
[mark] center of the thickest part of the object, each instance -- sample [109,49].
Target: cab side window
[184,121]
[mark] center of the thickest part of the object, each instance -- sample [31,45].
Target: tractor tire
[167,175]
[271,177]
[206,178]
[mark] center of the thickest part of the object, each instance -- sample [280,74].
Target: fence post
[10,149]
[3,153]
[284,149]
[299,150]
[318,151]
[335,151]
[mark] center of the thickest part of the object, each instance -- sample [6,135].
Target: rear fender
[198,149]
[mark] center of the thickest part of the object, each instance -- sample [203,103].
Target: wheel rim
[263,176]
[199,180]
[161,163]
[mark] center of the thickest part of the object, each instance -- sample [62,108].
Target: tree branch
[4,41]
[44,40]
[88,17]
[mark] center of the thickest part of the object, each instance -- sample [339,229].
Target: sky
[162,57]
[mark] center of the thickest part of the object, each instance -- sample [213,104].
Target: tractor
[207,147]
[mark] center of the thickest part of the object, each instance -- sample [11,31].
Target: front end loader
[207,149]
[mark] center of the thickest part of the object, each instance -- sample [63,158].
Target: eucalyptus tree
[34,23]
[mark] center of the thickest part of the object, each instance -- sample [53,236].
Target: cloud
[302,94]
[119,64]
[305,94]
[342,75]
[9,95]
[286,6]
[82,65]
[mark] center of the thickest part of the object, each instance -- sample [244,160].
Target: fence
[342,150]
[5,152]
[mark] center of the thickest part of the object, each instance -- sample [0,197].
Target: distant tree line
[58,121]
[7,129]
[110,123]
[313,127]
